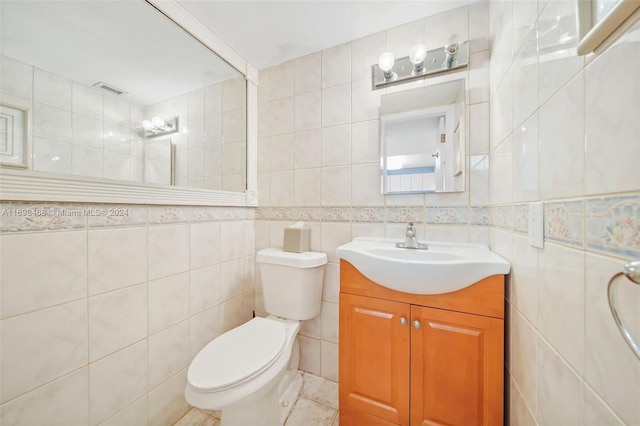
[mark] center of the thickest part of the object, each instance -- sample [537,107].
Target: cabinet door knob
[403,321]
[417,325]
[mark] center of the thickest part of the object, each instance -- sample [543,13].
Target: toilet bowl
[251,372]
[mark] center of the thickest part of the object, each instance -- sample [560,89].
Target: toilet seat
[237,355]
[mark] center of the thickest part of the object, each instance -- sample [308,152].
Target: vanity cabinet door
[374,361]
[456,368]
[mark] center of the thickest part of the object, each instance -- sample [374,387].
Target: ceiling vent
[109,88]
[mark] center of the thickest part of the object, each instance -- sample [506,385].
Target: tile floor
[316,406]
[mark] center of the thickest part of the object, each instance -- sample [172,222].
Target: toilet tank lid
[276,256]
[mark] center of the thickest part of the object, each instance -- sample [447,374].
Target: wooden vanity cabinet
[420,359]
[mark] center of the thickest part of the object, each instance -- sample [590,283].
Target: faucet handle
[411,229]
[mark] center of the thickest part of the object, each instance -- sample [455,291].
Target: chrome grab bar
[631,270]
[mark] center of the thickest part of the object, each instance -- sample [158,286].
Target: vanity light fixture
[420,63]
[385,63]
[157,126]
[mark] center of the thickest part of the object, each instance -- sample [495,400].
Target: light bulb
[158,122]
[418,54]
[385,62]
[147,125]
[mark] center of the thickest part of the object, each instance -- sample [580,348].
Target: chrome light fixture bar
[420,63]
[157,126]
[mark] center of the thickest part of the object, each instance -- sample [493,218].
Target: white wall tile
[204,288]
[596,412]
[166,403]
[87,161]
[42,346]
[213,99]
[282,152]
[523,356]
[117,319]
[518,411]
[558,62]
[117,381]
[308,73]
[117,258]
[479,77]
[168,301]
[203,328]
[168,250]
[610,367]
[561,139]
[308,111]
[336,105]
[204,243]
[133,415]
[612,108]
[561,302]
[168,353]
[336,186]
[56,279]
[308,187]
[309,354]
[445,28]
[365,185]
[282,188]
[87,101]
[52,156]
[17,78]
[282,81]
[336,145]
[525,161]
[196,104]
[365,142]
[329,360]
[60,403]
[479,26]
[116,111]
[336,65]
[51,89]
[308,149]
[559,390]
[365,102]
[51,123]
[282,116]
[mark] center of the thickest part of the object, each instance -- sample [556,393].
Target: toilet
[251,372]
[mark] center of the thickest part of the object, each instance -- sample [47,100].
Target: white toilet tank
[291,282]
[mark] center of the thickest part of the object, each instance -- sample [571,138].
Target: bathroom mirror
[118,93]
[423,139]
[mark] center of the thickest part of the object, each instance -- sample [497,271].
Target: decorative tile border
[405,214]
[518,218]
[161,215]
[336,214]
[41,217]
[204,214]
[309,214]
[447,215]
[118,215]
[479,216]
[367,214]
[613,225]
[564,222]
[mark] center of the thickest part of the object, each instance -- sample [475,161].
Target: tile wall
[319,148]
[211,145]
[565,130]
[76,129]
[85,131]
[104,306]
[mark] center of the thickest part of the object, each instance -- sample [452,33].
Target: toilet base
[271,408]
[292,384]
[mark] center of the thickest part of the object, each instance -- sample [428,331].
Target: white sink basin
[443,268]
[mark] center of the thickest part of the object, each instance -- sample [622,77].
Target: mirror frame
[29,185]
[597,36]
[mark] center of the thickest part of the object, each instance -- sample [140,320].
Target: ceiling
[267,33]
[129,45]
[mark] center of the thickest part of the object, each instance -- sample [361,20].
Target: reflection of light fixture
[420,63]
[157,126]
[385,63]
[417,56]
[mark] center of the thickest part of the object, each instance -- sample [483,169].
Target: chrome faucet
[410,241]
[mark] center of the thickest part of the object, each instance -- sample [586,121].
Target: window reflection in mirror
[422,133]
[181,116]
